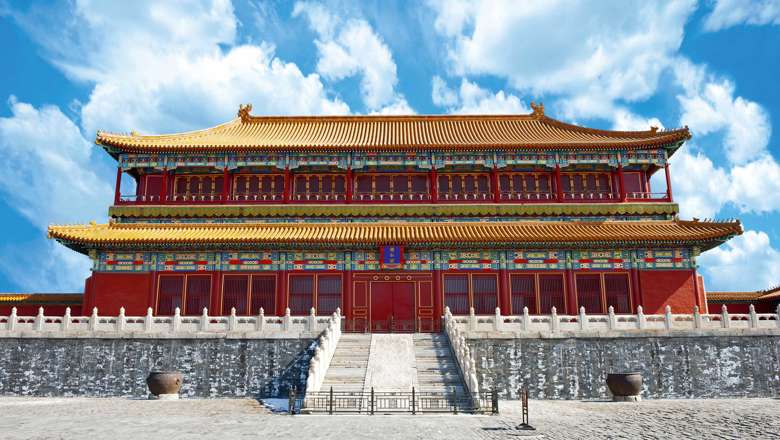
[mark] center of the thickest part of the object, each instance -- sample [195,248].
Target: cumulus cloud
[584,51]
[728,13]
[470,98]
[349,48]
[751,253]
[709,105]
[49,175]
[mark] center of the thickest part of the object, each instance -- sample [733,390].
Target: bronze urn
[164,384]
[625,386]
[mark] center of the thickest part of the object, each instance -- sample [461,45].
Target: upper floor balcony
[394,187]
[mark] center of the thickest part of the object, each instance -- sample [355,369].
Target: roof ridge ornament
[243,112]
[538,108]
[653,129]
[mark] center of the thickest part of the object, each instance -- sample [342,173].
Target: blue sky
[71,68]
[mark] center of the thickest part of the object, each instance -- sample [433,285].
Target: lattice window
[301,294]
[197,188]
[171,290]
[258,187]
[589,293]
[198,294]
[235,290]
[263,294]
[551,293]
[328,294]
[523,294]
[616,288]
[456,294]
[484,290]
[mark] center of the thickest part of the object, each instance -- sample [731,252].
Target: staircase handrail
[463,355]
[323,353]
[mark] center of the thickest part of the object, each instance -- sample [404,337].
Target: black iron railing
[377,402]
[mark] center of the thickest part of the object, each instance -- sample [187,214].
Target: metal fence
[377,402]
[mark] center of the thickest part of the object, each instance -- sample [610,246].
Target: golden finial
[243,111]
[93,223]
[538,108]
[653,129]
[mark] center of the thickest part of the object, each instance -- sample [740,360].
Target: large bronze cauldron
[625,386]
[164,383]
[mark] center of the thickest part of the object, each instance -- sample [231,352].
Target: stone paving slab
[116,418]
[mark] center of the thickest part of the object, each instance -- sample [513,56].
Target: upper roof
[497,233]
[392,133]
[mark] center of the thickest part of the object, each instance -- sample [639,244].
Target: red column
[286,191]
[281,293]
[118,183]
[621,183]
[668,183]
[504,295]
[571,293]
[347,296]
[164,186]
[438,308]
[494,183]
[696,292]
[349,184]
[434,186]
[225,179]
[558,186]
[636,293]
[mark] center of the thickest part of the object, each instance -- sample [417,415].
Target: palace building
[392,218]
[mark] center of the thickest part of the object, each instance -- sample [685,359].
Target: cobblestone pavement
[66,418]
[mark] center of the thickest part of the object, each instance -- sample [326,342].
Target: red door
[392,307]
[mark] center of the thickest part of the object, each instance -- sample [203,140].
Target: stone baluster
[286,320]
[232,321]
[176,320]
[583,318]
[204,320]
[641,321]
[66,320]
[611,320]
[39,320]
[753,317]
[312,320]
[120,320]
[497,320]
[777,315]
[697,323]
[668,317]
[12,320]
[724,317]
[554,320]
[148,320]
[260,324]
[472,319]
[93,320]
[526,318]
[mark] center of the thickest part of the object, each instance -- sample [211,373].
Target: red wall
[110,291]
[668,287]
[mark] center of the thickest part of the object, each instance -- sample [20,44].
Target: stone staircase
[391,364]
[347,370]
[437,369]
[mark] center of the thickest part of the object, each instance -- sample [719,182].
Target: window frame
[538,291]
[470,288]
[603,292]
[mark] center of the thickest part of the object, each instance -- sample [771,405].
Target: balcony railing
[319,197]
[528,196]
[480,196]
[596,196]
[649,196]
[392,197]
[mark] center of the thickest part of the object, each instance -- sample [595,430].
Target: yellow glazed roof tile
[395,232]
[371,133]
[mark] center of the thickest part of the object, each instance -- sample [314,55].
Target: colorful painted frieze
[476,260]
[315,261]
[664,259]
[186,262]
[123,262]
[255,261]
[362,160]
[536,259]
[605,259]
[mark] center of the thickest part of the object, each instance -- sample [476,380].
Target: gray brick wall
[118,367]
[672,367]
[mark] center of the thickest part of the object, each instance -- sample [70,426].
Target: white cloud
[49,175]
[699,186]
[749,254]
[47,168]
[351,47]
[708,105]
[604,50]
[625,120]
[470,98]
[728,13]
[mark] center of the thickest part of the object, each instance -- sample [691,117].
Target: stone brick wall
[214,367]
[672,367]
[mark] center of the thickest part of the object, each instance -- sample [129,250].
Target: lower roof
[40,298]
[756,295]
[416,234]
